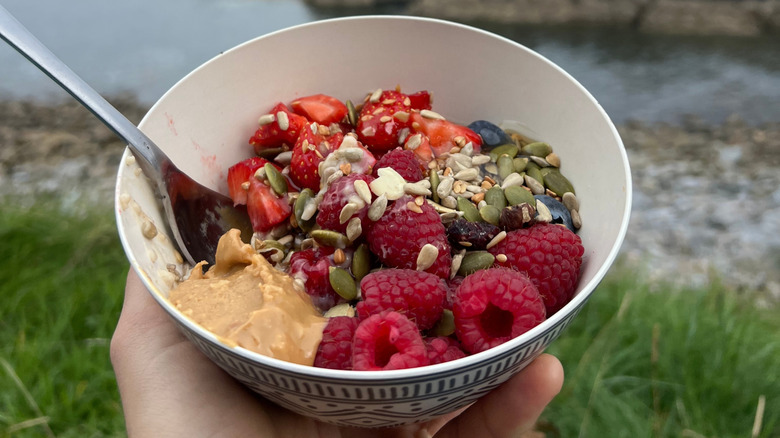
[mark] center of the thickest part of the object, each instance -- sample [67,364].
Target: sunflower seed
[374,98]
[416,189]
[354,229]
[266,119]
[445,187]
[284,158]
[480,159]
[467,174]
[449,202]
[352,154]
[349,209]
[377,208]
[570,200]
[534,185]
[540,161]
[339,257]
[513,179]
[456,261]
[343,309]
[553,159]
[361,188]
[414,142]
[542,212]
[427,257]
[501,258]
[576,220]
[428,114]
[282,120]
[496,240]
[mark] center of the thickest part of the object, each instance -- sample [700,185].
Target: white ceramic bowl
[205,120]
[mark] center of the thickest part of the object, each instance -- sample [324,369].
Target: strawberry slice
[265,208]
[381,121]
[420,100]
[320,108]
[421,146]
[444,135]
[278,129]
[239,176]
[309,151]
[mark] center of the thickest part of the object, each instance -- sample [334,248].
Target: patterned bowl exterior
[378,402]
[559,109]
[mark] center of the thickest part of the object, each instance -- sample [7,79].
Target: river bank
[688,17]
[706,195]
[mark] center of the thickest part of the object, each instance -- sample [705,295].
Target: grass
[640,361]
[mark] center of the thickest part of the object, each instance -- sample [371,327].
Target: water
[145,46]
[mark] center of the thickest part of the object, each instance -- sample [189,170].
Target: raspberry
[404,162]
[311,266]
[443,349]
[399,235]
[388,341]
[551,256]
[418,295]
[335,349]
[493,306]
[340,193]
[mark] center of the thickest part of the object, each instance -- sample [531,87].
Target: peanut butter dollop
[247,302]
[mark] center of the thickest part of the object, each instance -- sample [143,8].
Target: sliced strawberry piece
[421,146]
[444,135]
[309,151]
[266,209]
[239,176]
[320,108]
[420,100]
[381,122]
[279,128]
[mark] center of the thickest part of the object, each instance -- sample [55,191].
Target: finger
[515,406]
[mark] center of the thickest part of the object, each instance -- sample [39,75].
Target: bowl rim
[472,360]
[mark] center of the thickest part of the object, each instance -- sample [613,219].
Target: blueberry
[491,134]
[559,212]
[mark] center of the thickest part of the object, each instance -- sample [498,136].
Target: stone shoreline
[699,17]
[706,196]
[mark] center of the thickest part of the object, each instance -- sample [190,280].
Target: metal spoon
[197,216]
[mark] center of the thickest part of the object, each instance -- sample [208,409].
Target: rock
[700,18]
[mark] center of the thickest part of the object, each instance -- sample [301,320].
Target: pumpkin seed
[519,164]
[352,114]
[517,195]
[505,166]
[342,283]
[434,178]
[445,326]
[537,149]
[490,214]
[495,197]
[361,262]
[558,183]
[298,208]
[330,238]
[470,212]
[504,149]
[473,261]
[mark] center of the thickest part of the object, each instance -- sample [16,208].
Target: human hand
[169,388]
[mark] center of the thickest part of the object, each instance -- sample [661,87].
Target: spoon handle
[149,156]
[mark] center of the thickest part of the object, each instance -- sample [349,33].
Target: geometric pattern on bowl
[377,403]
